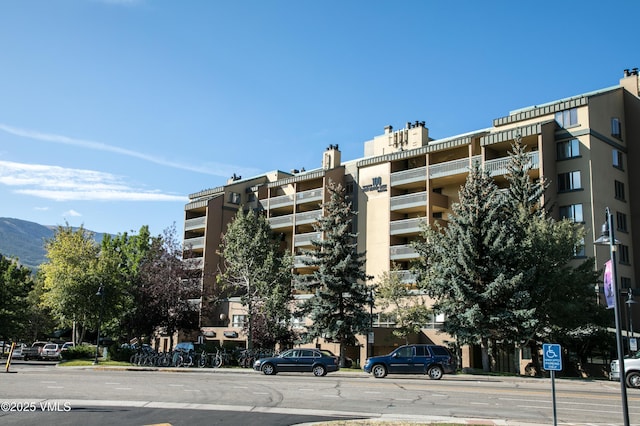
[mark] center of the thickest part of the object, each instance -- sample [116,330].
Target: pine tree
[337,308]
[463,266]
[556,293]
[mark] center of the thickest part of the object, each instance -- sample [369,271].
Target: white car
[51,351]
[632,370]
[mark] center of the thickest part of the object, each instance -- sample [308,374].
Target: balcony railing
[401,252]
[499,165]
[409,176]
[287,200]
[451,167]
[195,223]
[308,217]
[299,261]
[448,168]
[309,196]
[194,263]
[407,201]
[405,276]
[194,243]
[406,226]
[305,239]
[279,201]
[301,219]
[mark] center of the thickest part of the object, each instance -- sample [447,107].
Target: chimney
[331,157]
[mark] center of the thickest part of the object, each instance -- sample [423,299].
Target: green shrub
[79,352]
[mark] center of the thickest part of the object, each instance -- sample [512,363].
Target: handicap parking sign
[552,357]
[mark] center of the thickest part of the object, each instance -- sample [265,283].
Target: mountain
[25,240]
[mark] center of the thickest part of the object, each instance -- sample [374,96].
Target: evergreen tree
[257,269]
[504,269]
[464,267]
[338,283]
[559,288]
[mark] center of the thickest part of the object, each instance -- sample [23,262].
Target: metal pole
[614,278]
[553,392]
[101,294]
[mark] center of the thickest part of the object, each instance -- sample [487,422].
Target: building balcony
[405,276]
[288,200]
[276,202]
[450,168]
[309,196]
[299,261]
[499,165]
[195,223]
[300,240]
[403,252]
[405,177]
[194,263]
[194,243]
[406,226]
[409,201]
[300,219]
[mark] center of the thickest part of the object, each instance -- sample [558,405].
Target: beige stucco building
[586,146]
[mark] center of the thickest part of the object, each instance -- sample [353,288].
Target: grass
[89,362]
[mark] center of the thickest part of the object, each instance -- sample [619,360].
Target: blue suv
[432,360]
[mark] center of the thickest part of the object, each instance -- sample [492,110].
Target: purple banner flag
[608,285]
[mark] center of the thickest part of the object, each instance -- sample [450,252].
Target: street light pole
[101,294]
[608,237]
[369,343]
[630,302]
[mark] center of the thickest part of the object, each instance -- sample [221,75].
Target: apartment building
[584,145]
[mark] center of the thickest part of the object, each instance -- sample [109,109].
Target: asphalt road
[244,397]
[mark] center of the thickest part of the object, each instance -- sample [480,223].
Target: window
[617,159]
[573,212]
[567,118]
[624,254]
[568,149]
[621,218]
[384,319]
[616,128]
[238,320]
[349,188]
[234,198]
[569,181]
[619,190]
[625,282]
[578,250]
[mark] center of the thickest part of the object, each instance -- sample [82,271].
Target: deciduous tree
[15,284]
[258,270]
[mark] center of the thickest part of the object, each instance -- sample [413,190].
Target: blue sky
[113,111]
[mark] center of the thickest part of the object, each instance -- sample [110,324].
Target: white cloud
[71,213]
[63,184]
[212,168]
[41,209]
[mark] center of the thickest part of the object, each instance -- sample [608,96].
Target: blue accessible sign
[552,357]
